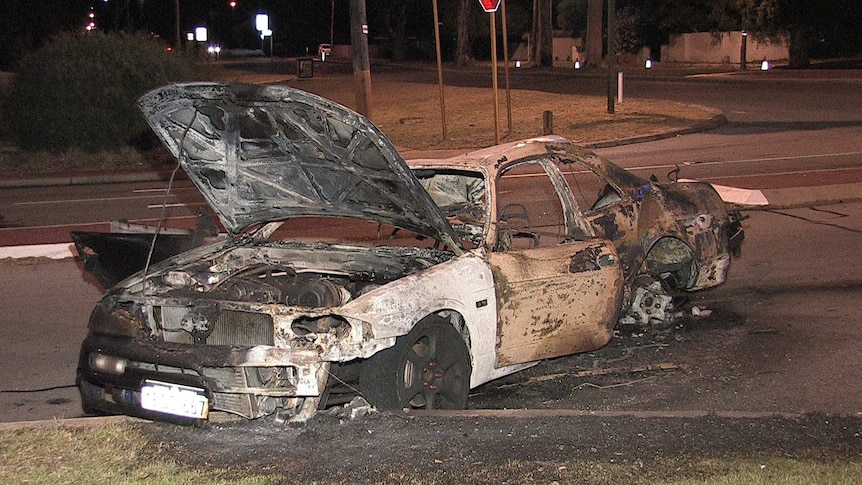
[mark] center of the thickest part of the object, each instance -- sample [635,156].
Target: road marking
[84,224]
[159,206]
[161,190]
[792,172]
[156,192]
[745,160]
[94,199]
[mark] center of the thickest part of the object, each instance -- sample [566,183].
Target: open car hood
[261,153]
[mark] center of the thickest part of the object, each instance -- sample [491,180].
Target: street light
[261,23]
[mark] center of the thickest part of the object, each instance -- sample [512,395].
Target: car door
[558,287]
[610,210]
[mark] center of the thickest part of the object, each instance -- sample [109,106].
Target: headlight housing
[117,323]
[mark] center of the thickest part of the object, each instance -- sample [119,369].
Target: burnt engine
[265,284]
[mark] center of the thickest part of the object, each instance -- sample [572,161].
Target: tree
[572,16]
[463,57]
[800,20]
[395,23]
[594,32]
[542,44]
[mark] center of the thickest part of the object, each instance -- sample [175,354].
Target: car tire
[429,368]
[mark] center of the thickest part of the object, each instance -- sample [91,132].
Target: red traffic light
[490,5]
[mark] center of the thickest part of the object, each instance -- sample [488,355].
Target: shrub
[79,89]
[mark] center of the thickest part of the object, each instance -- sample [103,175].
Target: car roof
[495,158]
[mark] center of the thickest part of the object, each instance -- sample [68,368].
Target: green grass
[116,454]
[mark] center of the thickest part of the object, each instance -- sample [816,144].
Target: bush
[79,89]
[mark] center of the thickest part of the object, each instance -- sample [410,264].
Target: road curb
[91,422]
[710,124]
[88,179]
[579,413]
[795,197]
[49,251]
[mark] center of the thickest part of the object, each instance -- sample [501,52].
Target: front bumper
[248,382]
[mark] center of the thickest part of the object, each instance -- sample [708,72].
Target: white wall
[704,47]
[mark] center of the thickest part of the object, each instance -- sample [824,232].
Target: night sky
[296,24]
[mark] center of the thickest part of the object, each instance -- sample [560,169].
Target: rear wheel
[429,368]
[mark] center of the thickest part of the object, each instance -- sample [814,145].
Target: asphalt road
[799,278]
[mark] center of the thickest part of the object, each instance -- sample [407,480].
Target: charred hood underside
[264,153]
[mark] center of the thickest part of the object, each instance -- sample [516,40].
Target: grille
[242,328]
[232,377]
[230,327]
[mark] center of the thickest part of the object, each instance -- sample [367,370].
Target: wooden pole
[612,55]
[439,69]
[506,69]
[359,49]
[494,78]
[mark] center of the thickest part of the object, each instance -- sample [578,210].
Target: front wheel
[429,368]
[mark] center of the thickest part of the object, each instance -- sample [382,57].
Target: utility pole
[177,38]
[506,67]
[439,68]
[612,55]
[359,53]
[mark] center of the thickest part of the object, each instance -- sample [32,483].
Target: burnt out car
[672,238]
[346,271]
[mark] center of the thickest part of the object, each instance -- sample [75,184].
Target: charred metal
[348,270]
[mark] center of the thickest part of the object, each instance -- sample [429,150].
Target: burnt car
[346,271]
[673,238]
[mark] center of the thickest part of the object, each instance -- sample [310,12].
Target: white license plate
[189,402]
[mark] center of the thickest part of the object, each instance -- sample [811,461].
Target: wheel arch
[457,320]
[673,257]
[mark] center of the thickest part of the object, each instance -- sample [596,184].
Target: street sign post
[491,7]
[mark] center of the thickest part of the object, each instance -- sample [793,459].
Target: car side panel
[556,300]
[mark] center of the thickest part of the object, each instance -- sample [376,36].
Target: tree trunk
[593,49]
[542,37]
[799,40]
[463,57]
[533,45]
[398,30]
[547,33]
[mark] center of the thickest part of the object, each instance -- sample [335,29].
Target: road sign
[490,6]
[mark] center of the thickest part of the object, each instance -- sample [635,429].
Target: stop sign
[490,5]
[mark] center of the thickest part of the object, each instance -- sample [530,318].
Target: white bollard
[620,87]
[764,66]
